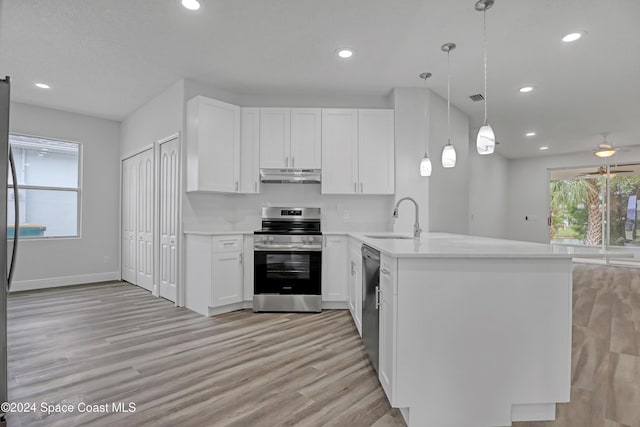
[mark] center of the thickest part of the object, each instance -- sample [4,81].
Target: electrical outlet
[345,214]
[106,259]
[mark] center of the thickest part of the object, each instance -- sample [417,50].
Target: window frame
[77,189]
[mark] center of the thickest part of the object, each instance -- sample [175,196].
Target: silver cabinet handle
[361,187]
[355,187]
[236,185]
[286,162]
[240,258]
[377,297]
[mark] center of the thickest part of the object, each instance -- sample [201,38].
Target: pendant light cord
[484,35]
[449,96]
[426,119]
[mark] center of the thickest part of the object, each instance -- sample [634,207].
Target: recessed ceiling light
[530,134]
[573,36]
[544,147]
[526,89]
[191,4]
[345,53]
[43,86]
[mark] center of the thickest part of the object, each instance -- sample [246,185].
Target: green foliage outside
[571,210]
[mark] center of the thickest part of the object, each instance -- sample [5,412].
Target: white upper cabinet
[306,141]
[213,145]
[376,151]
[358,151]
[339,151]
[250,151]
[290,138]
[275,137]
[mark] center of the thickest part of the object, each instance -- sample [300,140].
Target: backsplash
[241,212]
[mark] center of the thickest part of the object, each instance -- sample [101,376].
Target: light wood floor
[605,383]
[116,343]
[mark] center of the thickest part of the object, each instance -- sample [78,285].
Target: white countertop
[218,233]
[446,245]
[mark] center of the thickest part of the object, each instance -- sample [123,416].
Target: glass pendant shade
[486,140]
[425,166]
[448,156]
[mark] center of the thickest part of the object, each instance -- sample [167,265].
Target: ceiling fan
[605,149]
[601,171]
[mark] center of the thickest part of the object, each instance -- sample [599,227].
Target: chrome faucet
[416,226]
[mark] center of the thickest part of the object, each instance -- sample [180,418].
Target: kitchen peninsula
[473,331]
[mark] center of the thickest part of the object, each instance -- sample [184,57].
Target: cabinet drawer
[226,243]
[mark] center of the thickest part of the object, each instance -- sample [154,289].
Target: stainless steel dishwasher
[371,302]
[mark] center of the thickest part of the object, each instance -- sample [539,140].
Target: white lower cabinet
[226,270]
[354,300]
[248,267]
[334,269]
[214,275]
[387,346]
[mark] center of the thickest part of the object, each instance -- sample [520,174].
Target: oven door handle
[284,248]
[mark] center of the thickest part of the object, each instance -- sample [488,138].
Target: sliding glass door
[596,206]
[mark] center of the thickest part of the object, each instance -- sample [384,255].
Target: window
[48,173]
[597,206]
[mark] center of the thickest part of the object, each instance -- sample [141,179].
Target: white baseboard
[54,282]
[334,305]
[533,412]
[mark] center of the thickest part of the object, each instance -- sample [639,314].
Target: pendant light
[486,139]
[448,152]
[425,163]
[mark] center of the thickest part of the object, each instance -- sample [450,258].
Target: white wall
[488,192]
[95,255]
[159,118]
[528,190]
[242,211]
[410,130]
[448,188]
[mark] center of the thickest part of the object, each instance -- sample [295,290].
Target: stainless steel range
[288,260]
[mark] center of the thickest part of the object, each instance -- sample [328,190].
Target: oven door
[287,272]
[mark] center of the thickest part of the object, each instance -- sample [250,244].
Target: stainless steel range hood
[294,176]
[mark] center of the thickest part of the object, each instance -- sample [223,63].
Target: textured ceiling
[108,57]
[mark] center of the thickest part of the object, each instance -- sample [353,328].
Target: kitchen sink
[390,236]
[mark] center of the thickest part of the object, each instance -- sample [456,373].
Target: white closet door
[129,167]
[169,198]
[144,223]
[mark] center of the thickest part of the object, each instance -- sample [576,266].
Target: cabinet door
[247,260]
[339,151]
[250,151]
[306,138]
[376,151]
[355,300]
[226,271]
[387,327]
[275,137]
[334,269]
[213,146]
